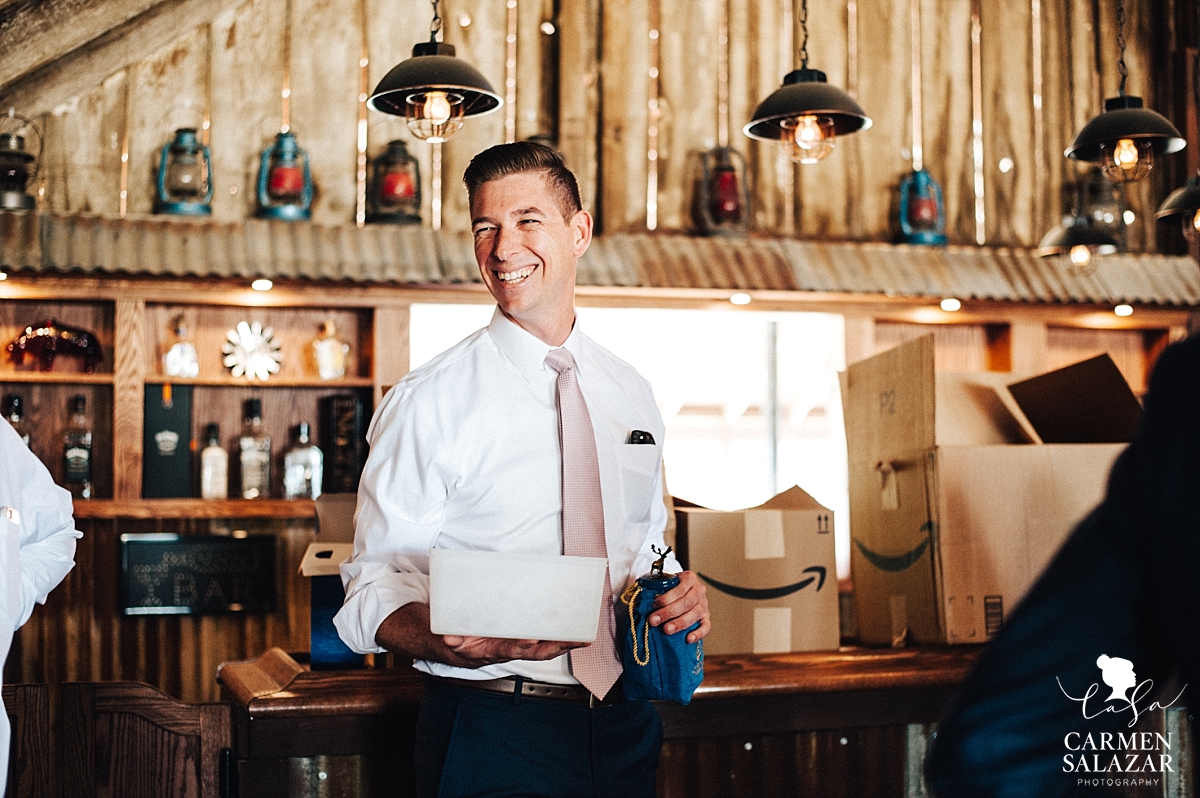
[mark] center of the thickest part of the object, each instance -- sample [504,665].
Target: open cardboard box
[770,570]
[334,544]
[962,487]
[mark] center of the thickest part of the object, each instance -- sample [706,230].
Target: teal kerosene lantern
[285,188]
[184,176]
[922,213]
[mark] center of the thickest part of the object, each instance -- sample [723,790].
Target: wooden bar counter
[829,724]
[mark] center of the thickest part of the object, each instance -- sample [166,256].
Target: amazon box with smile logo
[770,572]
[963,486]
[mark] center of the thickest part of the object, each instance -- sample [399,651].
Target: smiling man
[466,453]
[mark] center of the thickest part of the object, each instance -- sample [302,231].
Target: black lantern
[723,204]
[184,176]
[17,166]
[1126,138]
[433,90]
[806,113]
[285,188]
[395,190]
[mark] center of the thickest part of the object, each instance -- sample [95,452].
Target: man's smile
[513,277]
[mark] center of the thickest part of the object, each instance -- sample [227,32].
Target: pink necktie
[596,667]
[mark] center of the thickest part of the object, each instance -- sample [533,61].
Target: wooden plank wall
[81,635]
[587,83]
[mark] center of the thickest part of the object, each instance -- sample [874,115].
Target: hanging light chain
[435,25]
[804,34]
[1121,68]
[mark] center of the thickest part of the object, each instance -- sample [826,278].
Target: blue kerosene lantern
[922,213]
[285,188]
[184,177]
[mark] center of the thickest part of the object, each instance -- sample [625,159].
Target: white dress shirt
[465,455]
[37,545]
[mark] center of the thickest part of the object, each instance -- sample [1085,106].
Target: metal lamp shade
[1181,200]
[805,93]
[1076,231]
[433,67]
[1125,118]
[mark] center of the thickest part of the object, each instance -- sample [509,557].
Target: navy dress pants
[476,743]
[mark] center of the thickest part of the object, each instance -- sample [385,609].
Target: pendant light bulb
[1126,160]
[810,138]
[1191,226]
[435,116]
[1080,255]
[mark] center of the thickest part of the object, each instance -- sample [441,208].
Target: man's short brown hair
[521,157]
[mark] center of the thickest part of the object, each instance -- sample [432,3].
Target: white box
[515,595]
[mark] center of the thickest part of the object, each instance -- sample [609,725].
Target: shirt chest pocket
[638,466]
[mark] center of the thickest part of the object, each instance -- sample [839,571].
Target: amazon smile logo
[765,593]
[899,562]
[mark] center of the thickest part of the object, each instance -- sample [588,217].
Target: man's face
[526,252]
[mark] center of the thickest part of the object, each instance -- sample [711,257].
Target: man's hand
[682,606]
[406,632]
[475,652]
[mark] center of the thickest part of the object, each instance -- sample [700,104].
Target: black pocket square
[641,436]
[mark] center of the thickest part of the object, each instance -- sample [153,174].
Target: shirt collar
[524,349]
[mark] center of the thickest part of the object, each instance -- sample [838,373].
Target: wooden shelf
[238,382]
[195,508]
[56,377]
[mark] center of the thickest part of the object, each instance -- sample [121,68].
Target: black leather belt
[526,688]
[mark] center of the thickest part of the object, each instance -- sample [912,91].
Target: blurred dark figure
[1122,594]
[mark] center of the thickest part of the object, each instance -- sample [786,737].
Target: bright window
[711,378]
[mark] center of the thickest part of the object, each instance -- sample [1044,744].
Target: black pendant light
[1185,203]
[1080,236]
[433,90]
[1078,239]
[1126,138]
[806,113]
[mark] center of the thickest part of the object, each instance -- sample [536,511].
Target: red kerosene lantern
[723,204]
[394,195]
[285,189]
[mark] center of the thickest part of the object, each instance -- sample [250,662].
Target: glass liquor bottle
[214,465]
[330,352]
[254,453]
[179,355]
[77,451]
[302,466]
[14,411]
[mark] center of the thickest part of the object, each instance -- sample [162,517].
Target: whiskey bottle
[302,467]
[14,411]
[77,451]
[254,453]
[214,465]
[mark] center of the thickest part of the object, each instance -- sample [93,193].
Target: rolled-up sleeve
[47,546]
[401,503]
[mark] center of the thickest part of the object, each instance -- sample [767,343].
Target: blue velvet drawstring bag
[657,666]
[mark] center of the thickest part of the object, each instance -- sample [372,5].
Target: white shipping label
[764,534]
[772,630]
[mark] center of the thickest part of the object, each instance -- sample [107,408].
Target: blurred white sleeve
[47,528]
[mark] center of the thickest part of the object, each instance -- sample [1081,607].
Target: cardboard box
[770,571]
[335,543]
[956,503]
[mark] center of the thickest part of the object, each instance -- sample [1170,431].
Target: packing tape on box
[889,492]
[764,534]
[772,630]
